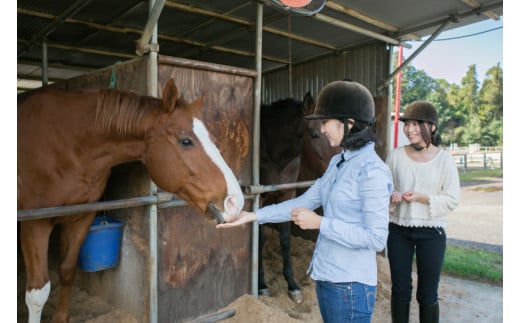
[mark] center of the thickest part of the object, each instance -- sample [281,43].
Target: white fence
[474,159]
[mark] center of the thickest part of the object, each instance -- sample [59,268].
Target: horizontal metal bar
[35,214]
[258,189]
[162,199]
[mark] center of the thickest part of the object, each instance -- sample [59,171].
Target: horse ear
[308,104]
[170,96]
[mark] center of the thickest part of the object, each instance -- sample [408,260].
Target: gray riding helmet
[420,111]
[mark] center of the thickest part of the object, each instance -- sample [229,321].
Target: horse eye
[314,135]
[186,142]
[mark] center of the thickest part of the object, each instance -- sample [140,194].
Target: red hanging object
[397,103]
[295,3]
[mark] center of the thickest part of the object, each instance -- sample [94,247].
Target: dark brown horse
[316,152]
[291,149]
[67,144]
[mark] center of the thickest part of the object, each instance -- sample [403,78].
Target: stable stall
[197,268]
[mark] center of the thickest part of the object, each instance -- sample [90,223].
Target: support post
[256,146]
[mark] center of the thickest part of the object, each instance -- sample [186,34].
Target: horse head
[181,158]
[316,150]
[281,137]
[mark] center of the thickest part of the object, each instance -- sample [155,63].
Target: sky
[450,59]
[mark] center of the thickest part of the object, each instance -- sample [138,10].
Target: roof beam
[86,50]
[453,18]
[143,45]
[246,23]
[358,15]
[70,11]
[63,67]
[386,82]
[476,5]
[354,28]
[215,46]
[209,21]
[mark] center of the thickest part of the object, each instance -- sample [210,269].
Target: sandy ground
[478,218]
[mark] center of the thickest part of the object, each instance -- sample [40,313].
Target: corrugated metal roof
[83,35]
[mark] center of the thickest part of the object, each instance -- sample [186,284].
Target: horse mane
[122,111]
[289,107]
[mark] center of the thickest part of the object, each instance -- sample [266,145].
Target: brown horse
[67,144]
[316,152]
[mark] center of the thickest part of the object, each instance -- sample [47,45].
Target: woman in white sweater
[426,189]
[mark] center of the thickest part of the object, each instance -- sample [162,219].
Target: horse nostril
[216,213]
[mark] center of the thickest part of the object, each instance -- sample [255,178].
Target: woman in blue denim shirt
[354,193]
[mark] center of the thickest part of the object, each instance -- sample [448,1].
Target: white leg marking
[35,300]
[233,188]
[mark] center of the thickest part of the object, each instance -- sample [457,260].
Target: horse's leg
[34,239]
[262,287]
[285,245]
[72,235]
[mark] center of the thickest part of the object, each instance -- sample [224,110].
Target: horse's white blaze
[234,202]
[35,300]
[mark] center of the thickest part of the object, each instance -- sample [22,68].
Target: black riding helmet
[343,100]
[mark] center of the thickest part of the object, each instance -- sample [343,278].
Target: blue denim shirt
[355,198]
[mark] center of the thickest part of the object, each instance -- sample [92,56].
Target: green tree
[472,130]
[468,92]
[491,95]
[415,85]
[490,111]
[449,120]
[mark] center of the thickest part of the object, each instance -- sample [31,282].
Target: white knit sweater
[437,178]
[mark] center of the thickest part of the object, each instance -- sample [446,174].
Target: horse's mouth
[216,213]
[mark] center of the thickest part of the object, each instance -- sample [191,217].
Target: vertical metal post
[152,210]
[45,67]
[256,146]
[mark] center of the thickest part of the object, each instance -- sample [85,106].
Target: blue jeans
[345,302]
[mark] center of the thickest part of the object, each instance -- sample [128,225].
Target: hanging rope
[290,55]
[113,78]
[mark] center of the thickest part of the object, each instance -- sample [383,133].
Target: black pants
[429,246]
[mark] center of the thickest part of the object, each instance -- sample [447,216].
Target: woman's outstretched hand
[243,218]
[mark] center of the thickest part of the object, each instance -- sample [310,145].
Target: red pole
[397,103]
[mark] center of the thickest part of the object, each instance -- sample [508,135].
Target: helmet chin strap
[417,147]
[355,140]
[346,133]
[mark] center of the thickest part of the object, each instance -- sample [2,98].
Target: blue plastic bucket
[101,247]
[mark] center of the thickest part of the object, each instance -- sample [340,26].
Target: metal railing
[162,199]
[479,160]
